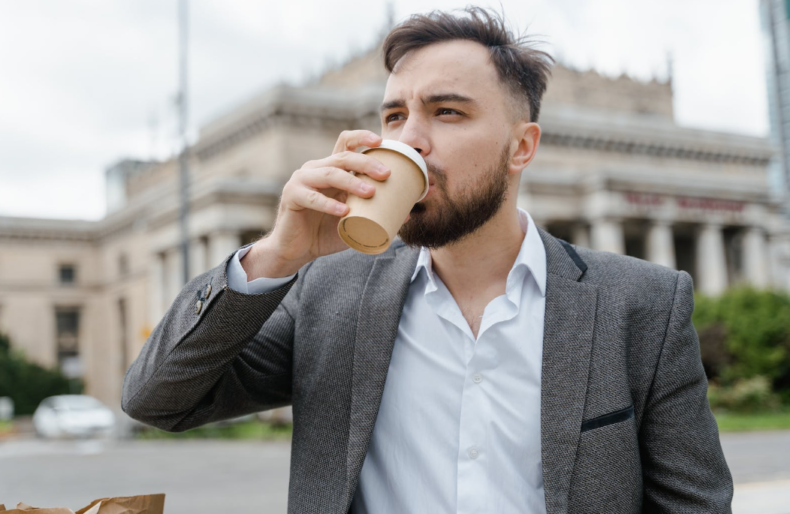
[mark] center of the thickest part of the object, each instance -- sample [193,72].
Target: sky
[85,83]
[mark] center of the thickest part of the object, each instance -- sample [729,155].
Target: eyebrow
[432,99]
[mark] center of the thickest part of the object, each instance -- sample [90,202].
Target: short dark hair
[523,69]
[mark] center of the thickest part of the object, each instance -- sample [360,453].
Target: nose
[415,134]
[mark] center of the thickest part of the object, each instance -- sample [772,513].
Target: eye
[446,110]
[393,117]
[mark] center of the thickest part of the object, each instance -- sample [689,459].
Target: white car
[74,415]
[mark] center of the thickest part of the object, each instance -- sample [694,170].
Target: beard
[451,219]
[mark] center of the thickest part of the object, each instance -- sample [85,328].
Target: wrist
[263,260]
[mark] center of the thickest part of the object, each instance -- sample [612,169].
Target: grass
[739,422]
[6,427]
[262,431]
[247,430]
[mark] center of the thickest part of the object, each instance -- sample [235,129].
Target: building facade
[613,172]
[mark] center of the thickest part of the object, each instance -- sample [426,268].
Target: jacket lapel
[380,309]
[567,343]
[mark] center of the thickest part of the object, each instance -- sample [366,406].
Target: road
[206,477]
[197,477]
[760,466]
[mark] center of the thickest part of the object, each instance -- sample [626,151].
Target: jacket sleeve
[217,354]
[682,461]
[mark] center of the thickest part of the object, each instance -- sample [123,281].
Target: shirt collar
[531,256]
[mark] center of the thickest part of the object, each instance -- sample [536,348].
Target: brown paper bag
[24,508]
[143,504]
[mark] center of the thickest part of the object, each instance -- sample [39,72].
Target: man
[480,364]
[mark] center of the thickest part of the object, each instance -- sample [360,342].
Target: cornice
[616,143]
[542,181]
[228,191]
[42,229]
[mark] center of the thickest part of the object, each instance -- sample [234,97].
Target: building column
[607,235]
[156,289]
[755,262]
[660,245]
[581,235]
[711,265]
[221,245]
[173,275]
[779,247]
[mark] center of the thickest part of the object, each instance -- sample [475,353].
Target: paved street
[206,477]
[761,470]
[198,477]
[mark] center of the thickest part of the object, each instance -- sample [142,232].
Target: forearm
[188,359]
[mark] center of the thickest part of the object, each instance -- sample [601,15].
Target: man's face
[446,101]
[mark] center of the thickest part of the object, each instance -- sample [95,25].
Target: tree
[27,383]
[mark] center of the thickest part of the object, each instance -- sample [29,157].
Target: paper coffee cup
[372,223]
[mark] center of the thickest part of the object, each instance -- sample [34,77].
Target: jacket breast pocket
[608,419]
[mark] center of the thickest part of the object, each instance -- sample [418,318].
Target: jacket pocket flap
[608,419]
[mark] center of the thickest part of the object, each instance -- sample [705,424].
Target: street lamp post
[183,158]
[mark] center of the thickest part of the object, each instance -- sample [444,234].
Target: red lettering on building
[684,202]
[709,204]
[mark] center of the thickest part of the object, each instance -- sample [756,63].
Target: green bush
[746,395]
[745,334]
[28,383]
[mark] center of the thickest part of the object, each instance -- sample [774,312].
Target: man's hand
[311,205]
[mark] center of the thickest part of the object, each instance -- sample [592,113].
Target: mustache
[435,174]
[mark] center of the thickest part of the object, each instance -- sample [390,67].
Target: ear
[526,137]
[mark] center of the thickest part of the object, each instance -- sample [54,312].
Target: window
[67,326]
[67,274]
[123,329]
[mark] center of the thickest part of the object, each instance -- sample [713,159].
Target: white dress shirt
[458,429]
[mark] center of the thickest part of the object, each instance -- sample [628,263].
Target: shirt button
[198,306]
[477,378]
[474,453]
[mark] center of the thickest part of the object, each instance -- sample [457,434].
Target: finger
[357,162]
[353,139]
[306,198]
[322,178]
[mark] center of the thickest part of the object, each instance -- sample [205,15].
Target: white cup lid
[411,153]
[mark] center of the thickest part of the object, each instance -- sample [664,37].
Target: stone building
[613,172]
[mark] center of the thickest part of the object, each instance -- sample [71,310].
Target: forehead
[450,66]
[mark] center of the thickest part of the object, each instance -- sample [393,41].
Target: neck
[483,259]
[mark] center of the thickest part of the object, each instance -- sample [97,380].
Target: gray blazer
[625,421]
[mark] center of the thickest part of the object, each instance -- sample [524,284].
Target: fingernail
[366,188]
[383,169]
